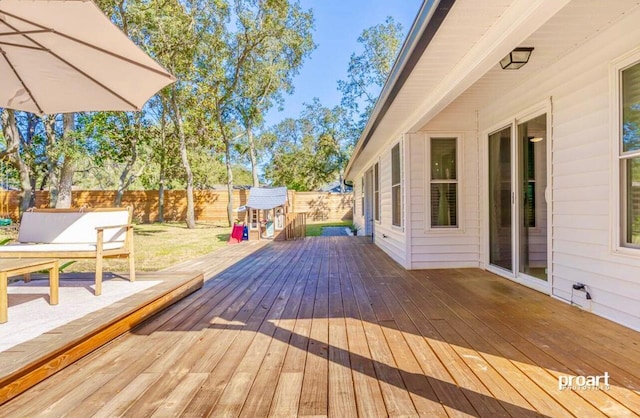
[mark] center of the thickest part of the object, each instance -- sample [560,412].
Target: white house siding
[358,219]
[445,247]
[391,239]
[579,88]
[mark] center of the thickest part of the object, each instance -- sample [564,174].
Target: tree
[268,75]
[12,155]
[264,40]
[368,72]
[68,166]
[121,139]
[49,122]
[307,153]
[173,32]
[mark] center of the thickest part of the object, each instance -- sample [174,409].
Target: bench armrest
[102,228]
[100,232]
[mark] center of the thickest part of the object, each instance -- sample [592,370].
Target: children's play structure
[265,213]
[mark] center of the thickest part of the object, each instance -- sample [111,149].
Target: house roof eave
[426,24]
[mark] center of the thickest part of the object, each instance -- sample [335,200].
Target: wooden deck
[32,361]
[333,327]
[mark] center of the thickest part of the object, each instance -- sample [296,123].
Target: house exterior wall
[445,247]
[391,239]
[577,89]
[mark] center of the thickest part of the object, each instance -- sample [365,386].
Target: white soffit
[472,39]
[571,27]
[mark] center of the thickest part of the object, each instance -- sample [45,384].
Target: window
[254,220]
[630,156]
[530,184]
[376,192]
[443,162]
[279,218]
[396,191]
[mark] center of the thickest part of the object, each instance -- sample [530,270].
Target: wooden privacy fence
[210,205]
[321,207]
[296,226]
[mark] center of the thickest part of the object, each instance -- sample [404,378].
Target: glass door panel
[500,200]
[532,207]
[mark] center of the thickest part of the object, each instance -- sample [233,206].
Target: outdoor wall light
[516,58]
[535,138]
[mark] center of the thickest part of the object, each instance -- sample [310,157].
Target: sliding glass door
[517,202]
[500,198]
[532,176]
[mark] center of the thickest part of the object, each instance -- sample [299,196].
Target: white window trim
[617,195]
[373,167]
[280,217]
[362,196]
[251,223]
[427,192]
[402,202]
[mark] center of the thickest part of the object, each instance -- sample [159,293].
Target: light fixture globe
[516,58]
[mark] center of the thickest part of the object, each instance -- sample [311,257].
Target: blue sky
[338,23]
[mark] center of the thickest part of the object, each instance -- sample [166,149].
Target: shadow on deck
[332,326]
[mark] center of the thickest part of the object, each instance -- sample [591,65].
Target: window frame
[279,218]
[619,199]
[399,225]
[362,196]
[458,181]
[254,221]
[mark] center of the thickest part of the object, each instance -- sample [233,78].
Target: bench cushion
[71,227]
[58,247]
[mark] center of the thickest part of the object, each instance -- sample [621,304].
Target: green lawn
[158,246]
[315,230]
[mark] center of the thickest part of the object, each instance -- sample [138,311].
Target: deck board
[331,326]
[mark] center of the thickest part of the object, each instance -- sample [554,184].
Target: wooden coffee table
[17,266]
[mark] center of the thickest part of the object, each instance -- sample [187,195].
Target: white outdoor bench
[75,234]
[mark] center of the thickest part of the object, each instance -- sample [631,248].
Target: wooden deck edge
[14,384]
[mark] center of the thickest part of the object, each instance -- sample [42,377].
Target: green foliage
[306,152]
[9,178]
[234,60]
[368,72]
[64,265]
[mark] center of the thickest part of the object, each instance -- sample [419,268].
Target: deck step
[28,364]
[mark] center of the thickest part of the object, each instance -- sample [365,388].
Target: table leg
[54,280]
[4,299]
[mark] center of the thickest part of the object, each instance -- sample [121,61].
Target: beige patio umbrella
[59,56]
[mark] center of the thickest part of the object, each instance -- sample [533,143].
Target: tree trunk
[12,154]
[126,178]
[253,157]
[161,195]
[27,197]
[229,181]
[191,217]
[123,183]
[163,134]
[52,159]
[68,165]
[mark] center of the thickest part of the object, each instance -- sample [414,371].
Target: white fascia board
[421,22]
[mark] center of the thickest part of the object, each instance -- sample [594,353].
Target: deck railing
[296,226]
